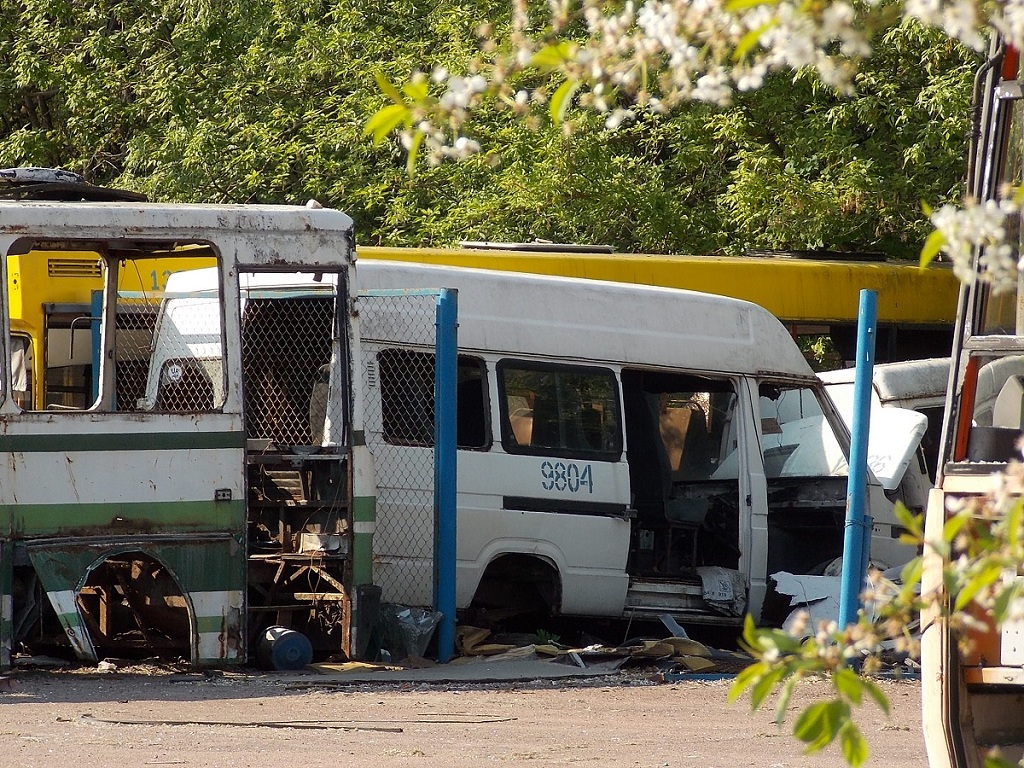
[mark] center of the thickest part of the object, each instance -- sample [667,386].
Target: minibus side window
[407,399]
[559,410]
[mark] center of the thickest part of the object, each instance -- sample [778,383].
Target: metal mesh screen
[398,333]
[168,352]
[286,356]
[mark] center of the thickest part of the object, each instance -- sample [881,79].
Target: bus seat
[998,443]
[546,422]
[592,424]
[695,462]
[520,417]
[650,471]
[1009,406]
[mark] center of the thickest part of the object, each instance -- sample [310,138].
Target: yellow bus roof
[795,290]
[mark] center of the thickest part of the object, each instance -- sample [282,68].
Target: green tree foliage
[265,101]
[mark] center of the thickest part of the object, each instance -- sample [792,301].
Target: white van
[623,450]
[919,385]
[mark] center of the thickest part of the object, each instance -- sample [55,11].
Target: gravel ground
[151,716]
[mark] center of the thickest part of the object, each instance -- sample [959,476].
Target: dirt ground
[234,720]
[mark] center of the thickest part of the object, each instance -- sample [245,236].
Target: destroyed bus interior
[678,429]
[684,468]
[136,584]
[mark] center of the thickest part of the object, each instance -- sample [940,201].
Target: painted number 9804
[566,476]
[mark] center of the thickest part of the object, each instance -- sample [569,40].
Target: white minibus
[623,451]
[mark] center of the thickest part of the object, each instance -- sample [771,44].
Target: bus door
[683,434]
[806,473]
[124,522]
[295,352]
[563,482]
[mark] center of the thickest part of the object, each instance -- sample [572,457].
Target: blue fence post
[445,465]
[856,544]
[96,312]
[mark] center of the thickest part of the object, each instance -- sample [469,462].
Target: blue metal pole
[856,544]
[445,469]
[96,310]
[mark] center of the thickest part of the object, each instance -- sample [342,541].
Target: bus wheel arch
[518,583]
[133,605]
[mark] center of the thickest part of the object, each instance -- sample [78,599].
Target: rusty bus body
[238,497]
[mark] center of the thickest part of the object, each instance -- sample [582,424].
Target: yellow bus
[812,292]
[51,300]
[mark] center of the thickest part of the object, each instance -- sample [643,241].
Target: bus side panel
[107,506]
[588,551]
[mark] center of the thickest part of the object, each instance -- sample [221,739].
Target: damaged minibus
[623,451]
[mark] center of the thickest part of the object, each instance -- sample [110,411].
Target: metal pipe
[856,544]
[445,469]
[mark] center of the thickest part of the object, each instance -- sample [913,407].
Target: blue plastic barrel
[284,649]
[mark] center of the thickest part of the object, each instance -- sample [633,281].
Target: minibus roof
[515,313]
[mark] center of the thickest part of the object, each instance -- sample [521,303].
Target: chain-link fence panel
[398,338]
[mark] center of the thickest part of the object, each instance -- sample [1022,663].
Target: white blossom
[980,228]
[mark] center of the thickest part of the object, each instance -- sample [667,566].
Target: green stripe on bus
[212,624]
[126,441]
[119,518]
[71,620]
[364,510]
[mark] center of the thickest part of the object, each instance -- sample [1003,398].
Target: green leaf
[738,6]
[912,571]
[764,686]
[911,577]
[747,677]
[385,121]
[561,99]
[551,57]
[849,684]
[1001,606]
[908,519]
[416,91]
[414,151]
[1012,523]
[998,761]
[784,696]
[953,526]
[811,722]
[926,209]
[855,749]
[389,90]
[749,40]
[818,725]
[982,580]
[877,694]
[750,638]
[932,245]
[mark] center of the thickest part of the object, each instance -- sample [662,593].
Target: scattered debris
[39,662]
